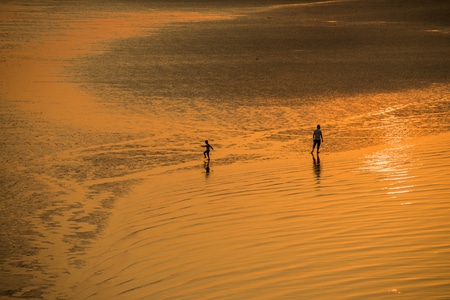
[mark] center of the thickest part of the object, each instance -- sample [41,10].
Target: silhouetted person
[318,138]
[208,147]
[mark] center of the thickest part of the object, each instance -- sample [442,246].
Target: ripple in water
[363,226]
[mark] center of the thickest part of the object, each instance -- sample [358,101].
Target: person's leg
[314,146]
[318,146]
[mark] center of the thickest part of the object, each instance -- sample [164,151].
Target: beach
[104,108]
[284,229]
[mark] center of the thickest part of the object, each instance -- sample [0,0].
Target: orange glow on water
[107,194]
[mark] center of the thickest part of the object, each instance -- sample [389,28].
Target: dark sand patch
[292,53]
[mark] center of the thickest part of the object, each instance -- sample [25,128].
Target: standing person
[318,138]
[208,147]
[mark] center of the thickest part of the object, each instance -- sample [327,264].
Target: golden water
[104,109]
[368,225]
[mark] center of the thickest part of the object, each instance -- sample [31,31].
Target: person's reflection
[316,167]
[207,169]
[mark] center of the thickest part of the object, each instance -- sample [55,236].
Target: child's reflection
[207,169]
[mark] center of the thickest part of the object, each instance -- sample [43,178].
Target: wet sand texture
[104,191]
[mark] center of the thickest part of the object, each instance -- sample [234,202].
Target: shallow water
[356,226]
[104,110]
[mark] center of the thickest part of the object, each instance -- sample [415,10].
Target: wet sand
[57,197]
[82,173]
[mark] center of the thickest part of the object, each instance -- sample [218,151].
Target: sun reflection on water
[392,170]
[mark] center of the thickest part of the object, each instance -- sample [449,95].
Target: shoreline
[71,160]
[60,184]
